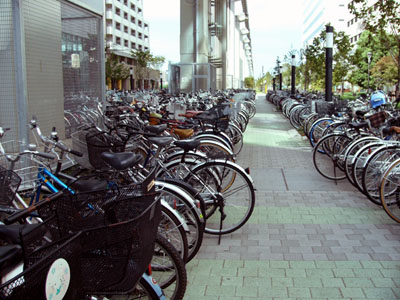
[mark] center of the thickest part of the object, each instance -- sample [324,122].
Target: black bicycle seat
[187,145]
[161,141]
[122,160]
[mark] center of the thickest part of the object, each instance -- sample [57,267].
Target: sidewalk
[307,238]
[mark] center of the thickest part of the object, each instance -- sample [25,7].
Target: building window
[118,25]
[140,47]
[355,20]
[126,16]
[146,26]
[139,10]
[351,40]
[146,49]
[126,43]
[133,6]
[118,40]
[126,29]
[133,45]
[133,20]
[140,35]
[117,11]
[126,2]
[133,32]
[355,39]
[348,23]
[140,23]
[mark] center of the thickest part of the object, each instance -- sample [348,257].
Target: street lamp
[369,56]
[293,79]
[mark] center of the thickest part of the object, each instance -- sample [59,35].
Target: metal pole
[280,79]
[273,84]
[328,63]
[369,55]
[293,81]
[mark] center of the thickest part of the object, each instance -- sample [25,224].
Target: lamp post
[293,80]
[328,63]
[369,56]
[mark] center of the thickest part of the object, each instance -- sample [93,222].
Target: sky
[275,29]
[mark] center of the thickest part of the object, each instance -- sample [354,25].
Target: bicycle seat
[183,133]
[161,141]
[358,126]
[157,129]
[122,160]
[187,145]
[12,233]
[89,185]
[10,255]
[190,113]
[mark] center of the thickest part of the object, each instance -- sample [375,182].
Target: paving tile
[358,282]
[325,293]
[384,293]
[299,293]
[307,282]
[352,292]
[282,282]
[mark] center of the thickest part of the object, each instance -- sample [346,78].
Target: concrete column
[194,38]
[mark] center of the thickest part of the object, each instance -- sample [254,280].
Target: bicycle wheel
[168,269]
[390,191]
[172,227]
[351,150]
[359,160]
[328,156]
[185,206]
[374,168]
[317,129]
[228,193]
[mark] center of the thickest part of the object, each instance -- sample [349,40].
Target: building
[51,62]
[125,30]
[318,13]
[215,45]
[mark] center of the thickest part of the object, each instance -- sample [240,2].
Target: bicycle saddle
[157,129]
[122,160]
[161,140]
[187,145]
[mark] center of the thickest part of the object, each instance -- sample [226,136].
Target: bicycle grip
[21,214]
[77,153]
[46,155]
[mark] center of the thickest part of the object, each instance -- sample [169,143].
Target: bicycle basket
[79,144]
[120,253]
[99,142]
[71,213]
[31,283]
[9,183]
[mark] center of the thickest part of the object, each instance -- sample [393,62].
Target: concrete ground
[307,238]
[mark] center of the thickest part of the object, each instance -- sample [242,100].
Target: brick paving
[307,238]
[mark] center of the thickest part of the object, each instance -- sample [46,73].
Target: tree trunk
[398,72]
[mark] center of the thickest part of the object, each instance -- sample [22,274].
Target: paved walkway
[307,238]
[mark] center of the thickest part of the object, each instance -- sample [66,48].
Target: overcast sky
[275,29]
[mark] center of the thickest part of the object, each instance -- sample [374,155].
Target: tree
[143,61]
[249,82]
[341,59]
[368,43]
[378,18]
[115,70]
[384,72]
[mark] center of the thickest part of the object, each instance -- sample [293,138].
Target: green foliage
[384,72]
[143,61]
[381,17]
[374,44]
[116,70]
[249,82]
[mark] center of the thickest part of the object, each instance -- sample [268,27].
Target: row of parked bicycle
[357,140]
[124,220]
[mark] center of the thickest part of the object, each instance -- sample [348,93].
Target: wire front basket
[26,167]
[9,183]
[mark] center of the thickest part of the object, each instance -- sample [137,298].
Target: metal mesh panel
[7,74]
[81,65]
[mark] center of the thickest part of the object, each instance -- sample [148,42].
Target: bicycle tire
[168,269]
[191,215]
[390,191]
[374,168]
[326,155]
[217,181]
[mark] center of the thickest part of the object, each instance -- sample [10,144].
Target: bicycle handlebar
[21,214]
